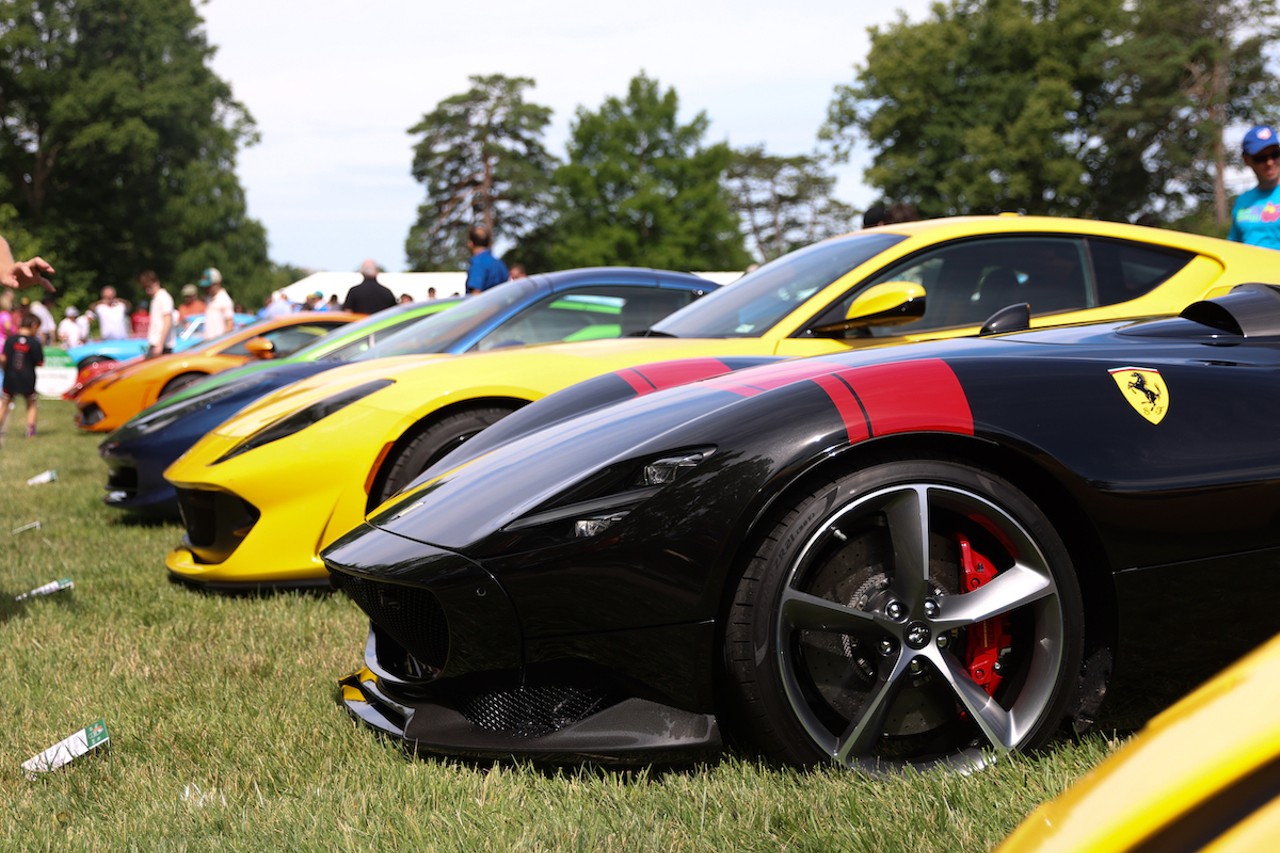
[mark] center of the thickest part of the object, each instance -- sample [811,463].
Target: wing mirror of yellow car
[889,303]
[260,347]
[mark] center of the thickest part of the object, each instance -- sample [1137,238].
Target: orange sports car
[114,397]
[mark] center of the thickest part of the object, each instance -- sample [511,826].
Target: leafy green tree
[1094,108]
[784,202]
[984,106]
[641,188]
[482,162]
[118,142]
[1187,71]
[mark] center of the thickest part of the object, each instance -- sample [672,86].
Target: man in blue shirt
[1255,217]
[485,270]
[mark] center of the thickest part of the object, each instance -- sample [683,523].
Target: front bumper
[271,509]
[546,724]
[449,669]
[135,478]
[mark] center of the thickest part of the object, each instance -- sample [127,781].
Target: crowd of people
[111,317]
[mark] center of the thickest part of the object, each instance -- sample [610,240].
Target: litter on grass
[47,589]
[68,749]
[34,525]
[43,477]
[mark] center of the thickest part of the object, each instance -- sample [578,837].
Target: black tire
[433,443]
[834,651]
[182,380]
[92,360]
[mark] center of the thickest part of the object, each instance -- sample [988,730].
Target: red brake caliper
[986,639]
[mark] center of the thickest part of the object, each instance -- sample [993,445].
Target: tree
[1094,108]
[1187,71]
[118,142]
[640,188]
[482,161]
[784,202]
[983,107]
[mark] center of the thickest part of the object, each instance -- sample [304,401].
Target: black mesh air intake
[533,711]
[216,522]
[410,616]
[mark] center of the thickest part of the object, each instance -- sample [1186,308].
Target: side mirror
[890,303]
[260,348]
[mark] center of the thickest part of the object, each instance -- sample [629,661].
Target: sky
[335,86]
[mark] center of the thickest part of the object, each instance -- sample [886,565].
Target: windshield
[759,300]
[358,328]
[214,343]
[439,332]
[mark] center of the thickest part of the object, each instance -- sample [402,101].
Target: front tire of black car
[432,443]
[914,612]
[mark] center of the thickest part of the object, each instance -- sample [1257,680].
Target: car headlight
[304,418]
[596,504]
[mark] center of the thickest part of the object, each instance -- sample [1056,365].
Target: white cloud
[334,87]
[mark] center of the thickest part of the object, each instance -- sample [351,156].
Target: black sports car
[903,556]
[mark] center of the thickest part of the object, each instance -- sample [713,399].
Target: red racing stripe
[910,396]
[772,376]
[635,379]
[666,374]
[855,422]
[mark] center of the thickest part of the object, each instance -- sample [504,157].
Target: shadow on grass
[11,609]
[145,522]
[567,766]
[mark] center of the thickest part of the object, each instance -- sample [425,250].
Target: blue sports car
[563,306]
[190,333]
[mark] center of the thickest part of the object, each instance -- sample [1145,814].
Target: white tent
[413,283]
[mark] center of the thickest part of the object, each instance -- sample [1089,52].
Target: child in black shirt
[21,356]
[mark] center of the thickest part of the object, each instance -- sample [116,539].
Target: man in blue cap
[1255,217]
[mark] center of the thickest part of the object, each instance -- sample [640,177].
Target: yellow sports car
[113,397]
[1203,775]
[266,490]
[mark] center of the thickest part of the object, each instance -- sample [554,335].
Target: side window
[587,313]
[1128,270]
[967,282]
[287,340]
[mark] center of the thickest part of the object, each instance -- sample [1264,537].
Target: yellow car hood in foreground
[1201,775]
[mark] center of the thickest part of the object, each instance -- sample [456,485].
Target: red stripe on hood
[666,374]
[772,376]
[910,396]
[846,402]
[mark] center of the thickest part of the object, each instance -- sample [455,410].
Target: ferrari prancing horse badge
[1145,390]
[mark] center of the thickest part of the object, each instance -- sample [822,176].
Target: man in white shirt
[113,315]
[160,315]
[70,333]
[219,310]
[48,325]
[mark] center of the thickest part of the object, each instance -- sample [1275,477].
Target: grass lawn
[225,730]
